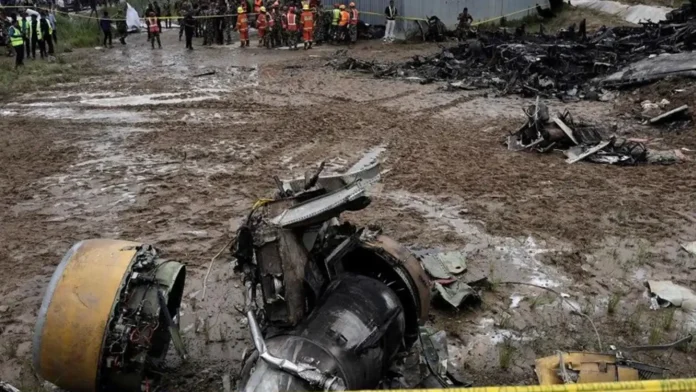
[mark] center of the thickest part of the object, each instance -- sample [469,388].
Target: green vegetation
[506,353]
[613,303]
[38,74]
[76,32]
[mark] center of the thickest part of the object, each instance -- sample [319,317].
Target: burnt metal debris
[570,65]
[330,306]
[580,141]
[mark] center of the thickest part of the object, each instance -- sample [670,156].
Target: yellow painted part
[679,385]
[82,302]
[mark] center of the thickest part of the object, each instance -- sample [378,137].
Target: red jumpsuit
[307,19]
[243,27]
[261,25]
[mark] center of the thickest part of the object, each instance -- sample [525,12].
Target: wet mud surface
[149,153]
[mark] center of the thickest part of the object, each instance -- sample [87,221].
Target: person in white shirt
[390,13]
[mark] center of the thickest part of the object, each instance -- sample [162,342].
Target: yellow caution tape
[677,385]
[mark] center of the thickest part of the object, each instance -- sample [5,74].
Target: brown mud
[146,152]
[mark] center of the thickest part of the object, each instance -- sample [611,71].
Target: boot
[306,46]
[247,43]
[310,44]
[241,44]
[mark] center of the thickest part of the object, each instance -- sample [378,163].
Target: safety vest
[261,21]
[16,36]
[336,16]
[39,34]
[354,16]
[154,28]
[345,17]
[292,21]
[307,18]
[23,24]
[242,22]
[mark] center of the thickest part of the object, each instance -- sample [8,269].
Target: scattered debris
[444,265]
[664,293]
[456,292]
[5,387]
[568,66]
[690,247]
[671,115]
[582,367]
[204,74]
[581,141]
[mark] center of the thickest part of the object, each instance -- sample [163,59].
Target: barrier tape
[676,385]
[408,18]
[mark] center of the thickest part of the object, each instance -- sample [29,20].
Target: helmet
[240,10]
[352,4]
[305,7]
[263,9]
[342,7]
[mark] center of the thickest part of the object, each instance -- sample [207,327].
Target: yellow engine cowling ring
[78,307]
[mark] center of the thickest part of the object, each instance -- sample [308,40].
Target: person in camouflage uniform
[4,32]
[230,21]
[208,25]
[121,27]
[276,31]
[323,25]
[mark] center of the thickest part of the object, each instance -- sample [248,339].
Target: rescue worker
[277,25]
[105,24]
[464,25]
[17,42]
[168,14]
[121,27]
[153,28]
[24,26]
[36,37]
[353,24]
[47,32]
[335,17]
[158,14]
[262,26]
[307,19]
[189,27]
[243,27]
[257,10]
[291,18]
[390,13]
[343,24]
[284,25]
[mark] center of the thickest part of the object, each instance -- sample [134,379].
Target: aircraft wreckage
[329,305]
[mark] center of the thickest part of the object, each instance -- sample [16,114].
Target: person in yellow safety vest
[354,19]
[335,16]
[24,27]
[343,24]
[47,31]
[17,42]
[36,36]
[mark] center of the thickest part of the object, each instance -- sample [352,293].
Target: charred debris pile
[570,65]
[580,141]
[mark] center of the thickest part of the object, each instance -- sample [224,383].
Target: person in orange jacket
[243,27]
[307,19]
[291,19]
[153,29]
[262,27]
[353,24]
[343,24]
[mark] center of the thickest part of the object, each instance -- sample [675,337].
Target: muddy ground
[147,152]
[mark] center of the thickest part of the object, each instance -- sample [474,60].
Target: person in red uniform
[243,27]
[307,19]
[262,27]
[154,30]
[353,24]
[257,10]
[291,19]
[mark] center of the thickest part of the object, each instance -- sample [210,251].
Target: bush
[76,32]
